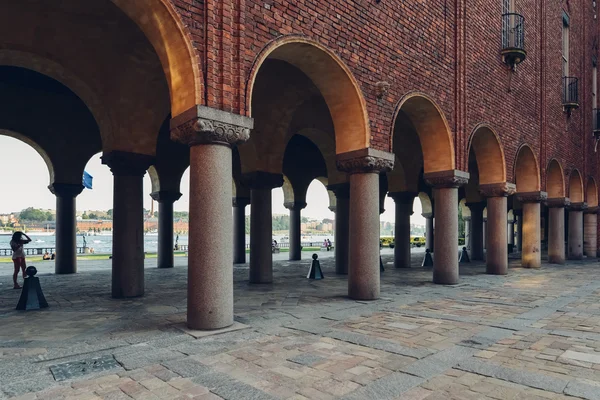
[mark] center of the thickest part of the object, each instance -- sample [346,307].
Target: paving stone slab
[387,388]
[307,359]
[187,367]
[147,356]
[439,362]
[486,338]
[77,369]
[520,377]
[583,390]
[379,344]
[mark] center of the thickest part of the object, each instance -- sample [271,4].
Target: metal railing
[303,244]
[37,251]
[513,31]
[570,91]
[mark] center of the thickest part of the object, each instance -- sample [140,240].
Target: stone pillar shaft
[404,209]
[239,230]
[429,231]
[165,200]
[476,230]
[66,236]
[520,231]
[531,255]
[590,235]
[467,221]
[342,226]
[575,239]
[261,235]
[497,248]
[556,230]
[295,230]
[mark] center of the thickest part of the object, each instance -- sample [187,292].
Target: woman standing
[18,257]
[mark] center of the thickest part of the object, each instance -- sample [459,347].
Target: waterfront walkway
[534,334]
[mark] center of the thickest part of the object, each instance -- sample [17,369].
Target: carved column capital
[503,189]
[476,207]
[341,190]
[123,163]
[166,196]
[262,180]
[65,189]
[205,125]
[532,197]
[447,179]
[578,206]
[427,215]
[333,209]
[403,197]
[240,201]
[466,218]
[592,210]
[558,202]
[295,205]
[365,161]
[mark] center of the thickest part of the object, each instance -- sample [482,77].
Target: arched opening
[555,181]
[592,193]
[331,77]
[576,193]
[489,156]
[527,174]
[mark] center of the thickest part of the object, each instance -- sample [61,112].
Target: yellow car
[417,241]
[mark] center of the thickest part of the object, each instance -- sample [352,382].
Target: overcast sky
[29,188]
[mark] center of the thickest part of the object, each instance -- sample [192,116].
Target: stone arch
[591,194]
[288,190]
[489,155]
[433,131]
[52,69]
[576,192]
[426,206]
[334,80]
[527,171]
[466,211]
[555,180]
[154,179]
[172,42]
[325,182]
[36,147]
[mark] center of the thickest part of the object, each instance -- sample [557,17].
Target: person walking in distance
[16,244]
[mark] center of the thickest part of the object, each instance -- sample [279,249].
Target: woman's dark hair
[17,236]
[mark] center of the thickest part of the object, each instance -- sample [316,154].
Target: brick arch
[432,128]
[35,146]
[555,180]
[334,80]
[489,154]
[172,42]
[527,171]
[591,194]
[576,192]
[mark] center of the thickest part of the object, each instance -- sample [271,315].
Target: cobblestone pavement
[534,334]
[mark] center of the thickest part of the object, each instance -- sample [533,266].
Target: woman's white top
[19,252]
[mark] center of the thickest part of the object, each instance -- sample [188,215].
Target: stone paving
[534,334]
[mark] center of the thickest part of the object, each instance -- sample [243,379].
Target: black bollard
[464,256]
[428,260]
[381,269]
[315,269]
[32,297]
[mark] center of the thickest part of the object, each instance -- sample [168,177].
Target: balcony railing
[513,39]
[570,92]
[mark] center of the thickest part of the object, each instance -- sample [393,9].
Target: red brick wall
[444,48]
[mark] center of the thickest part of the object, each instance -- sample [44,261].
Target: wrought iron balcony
[570,93]
[513,39]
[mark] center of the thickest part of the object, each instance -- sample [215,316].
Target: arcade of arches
[141,102]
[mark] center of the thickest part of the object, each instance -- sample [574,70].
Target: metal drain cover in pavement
[70,370]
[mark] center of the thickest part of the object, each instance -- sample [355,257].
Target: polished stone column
[364,167]
[261,224]
[128,222]
[484,233]
[519,221]
[295,233]
[165,201]
[556,229]
[497,246]
[210,133]
[446,183]
[428,230]
[66,236]
[342,226]
[476,229]
[239,229]
[531,254]
[590,232]
[467,221]
[510,233]
[575,239]
[404,209]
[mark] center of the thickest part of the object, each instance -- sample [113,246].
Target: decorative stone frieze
[447,179]
[558,202]
[592,210]
[205,125]
[532,197]
[365,161]
[578,206]
[503,189]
